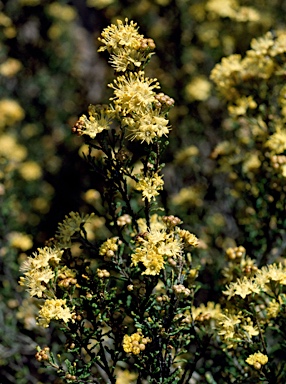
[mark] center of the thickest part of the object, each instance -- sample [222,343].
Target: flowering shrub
[131,306]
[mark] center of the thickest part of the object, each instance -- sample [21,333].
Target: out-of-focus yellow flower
[21,241]
[10,67]
[10,149]
[10,112]
[30,170]
[125,376]
[99,4]
[62,12]
[198,89]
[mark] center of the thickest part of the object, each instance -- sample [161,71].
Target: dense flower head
[133,93]
[121,35]
[54,309]
[128,49]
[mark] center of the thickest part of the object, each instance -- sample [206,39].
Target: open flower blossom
[242,287]
[133,92]
[54,309]
[150,186]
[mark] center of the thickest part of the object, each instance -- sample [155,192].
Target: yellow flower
[109,247]
[21,241]
[277,141]
[10,112]
[100,119]
[146,127]
[149,255]
[10,149]
[257,360]
[150,186]
[30,171]
[120,35]
[10,67]
[198,89]
[133,92]
[242,287]
[38,270]
[53,309]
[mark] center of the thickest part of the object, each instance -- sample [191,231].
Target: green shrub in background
[130,307]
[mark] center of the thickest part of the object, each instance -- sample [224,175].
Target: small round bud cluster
[181,289]
[123,220]
[147,44]
[235,253]
[278,160]
[76,317]
[108,248]
[171,221]
[78,128]
[66,278]
[68,376]
[135,343]
[43,354]
[163,100]
[249,269]
[203,317]
[102,273]
[163,298]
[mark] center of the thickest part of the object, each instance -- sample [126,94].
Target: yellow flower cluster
[157,244]
[53,309]
[257,360]
[38,271]
[135,343]
[234,328]
[127,47]
[142,113]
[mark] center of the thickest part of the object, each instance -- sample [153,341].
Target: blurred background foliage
[50,71]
